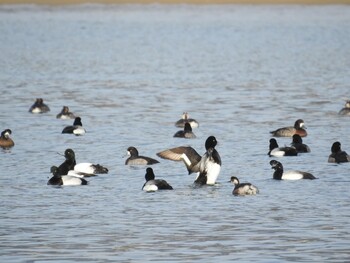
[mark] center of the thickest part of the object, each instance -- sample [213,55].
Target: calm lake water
[130,71]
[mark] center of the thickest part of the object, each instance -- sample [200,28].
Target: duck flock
[206,166]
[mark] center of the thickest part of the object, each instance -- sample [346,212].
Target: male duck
[58,179]
[152,185]
[337,155]
[281,151]
[279,174]
[76,128]
[186,132]
[298,144]
[208,166]
[39,106]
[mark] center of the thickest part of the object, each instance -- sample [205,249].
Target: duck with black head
[207,166]
[280,174]
[58,179]
[136,159]
[338,155]
[76,128]
[277,151]
[298,144]
[243,188]
[186,133]
[39,106]
[152,184]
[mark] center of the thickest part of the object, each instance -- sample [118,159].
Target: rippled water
[130,71]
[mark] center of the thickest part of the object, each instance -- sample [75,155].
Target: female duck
[288,175]
[76,128]
[5,139]
[152,184]
[281,151]
[136,159]
[186,118]
[337,155]
[58,179]
[208,166]
[244,188]
[65,114]
[39,106]
[298,128]
[346,109]
[298,144]
[86,168]
[186,132]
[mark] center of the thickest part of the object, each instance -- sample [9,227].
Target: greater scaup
[298,144]
[298,128]
[186,118]
[208,166]
[58,179]
[152,184]
[337,155]
[39,106]
[65,114]
[76,128]
[279,174]
[136,159]
[280,151]
[186,132]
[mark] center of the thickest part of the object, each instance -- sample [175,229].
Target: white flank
[79,131]
[71,180]
[84,168]
[75,174]
[213,170]
[292,175]
[36,110]
[150,187]
[277,153]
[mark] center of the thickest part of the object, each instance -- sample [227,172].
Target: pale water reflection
[129,72]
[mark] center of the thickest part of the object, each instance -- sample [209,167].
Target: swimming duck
[39,106]
[58,179]
[76,128]
[337,155]
[65,114]
[208,166]
[346,109]
[152,185]
[280,151]
[136,159]
[186,132]
[5,139]
[186,118]
[298,128]
[298,144]
[85,168]
[288,175]
[243,188]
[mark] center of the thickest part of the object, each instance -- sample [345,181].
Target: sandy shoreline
[65,2]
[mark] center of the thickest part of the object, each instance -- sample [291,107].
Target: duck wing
[183,153]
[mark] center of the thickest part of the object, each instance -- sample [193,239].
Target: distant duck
[281,151]
[65,114]
[152,185]
[298,128]
[136,159]
[82,168]
[337,155]
[186,118]
[5,139]
[243,188]
[39,106]
[186,132]
[279,174]
[76,128]
[298,144]
[208,166]
[58,179]
[346,109]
